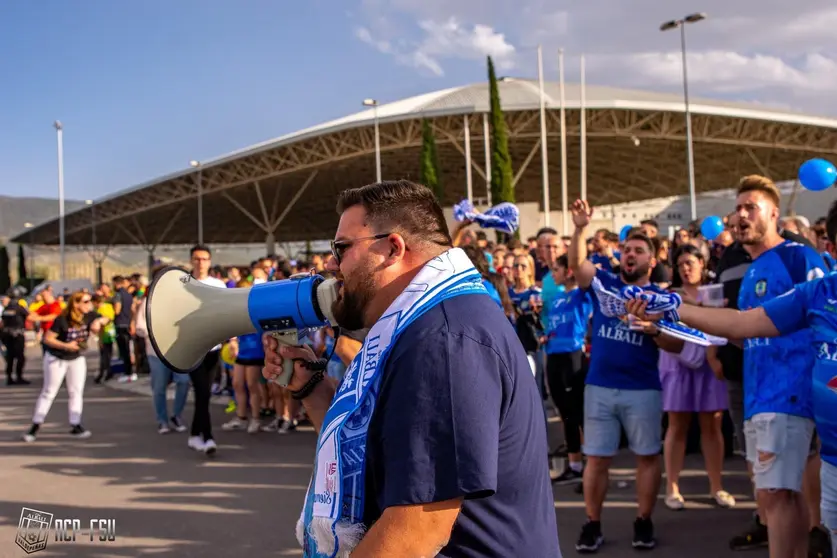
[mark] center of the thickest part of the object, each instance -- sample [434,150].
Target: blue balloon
[623,234]
[711,227]
[817,174]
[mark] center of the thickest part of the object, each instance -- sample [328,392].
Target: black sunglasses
[339,247]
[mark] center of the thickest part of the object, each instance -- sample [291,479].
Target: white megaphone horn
[186,318]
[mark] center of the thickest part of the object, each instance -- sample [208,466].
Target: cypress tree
[502,177]
[429,173]
[5,278]
[22,275]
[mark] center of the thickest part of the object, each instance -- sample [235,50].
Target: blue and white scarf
[612,305]
[504,216]
[331,524]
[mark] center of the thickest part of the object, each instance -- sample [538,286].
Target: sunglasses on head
[339,247]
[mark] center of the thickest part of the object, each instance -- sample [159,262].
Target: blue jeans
[161,377]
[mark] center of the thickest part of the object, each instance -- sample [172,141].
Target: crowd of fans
[545,296]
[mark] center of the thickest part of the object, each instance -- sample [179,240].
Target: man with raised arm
[623,385]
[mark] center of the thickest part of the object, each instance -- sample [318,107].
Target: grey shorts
[607,411]
[787,440]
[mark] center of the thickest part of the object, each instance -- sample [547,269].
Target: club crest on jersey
[832,384]
[815,273]
[761,287]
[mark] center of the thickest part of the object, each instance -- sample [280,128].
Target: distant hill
[15,212]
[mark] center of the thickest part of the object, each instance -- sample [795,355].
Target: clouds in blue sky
[769,51]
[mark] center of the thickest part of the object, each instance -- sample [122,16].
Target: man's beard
[638,273]
[758,230]
[351,303]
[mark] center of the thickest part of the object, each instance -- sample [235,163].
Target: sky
[144,87]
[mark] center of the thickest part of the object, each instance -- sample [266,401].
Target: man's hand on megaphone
[275,355]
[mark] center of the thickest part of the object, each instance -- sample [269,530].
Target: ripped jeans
[828,501]
[778,446]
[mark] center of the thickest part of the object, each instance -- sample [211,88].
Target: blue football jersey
[812,307]
[566,318]
[777,371]
[619,357]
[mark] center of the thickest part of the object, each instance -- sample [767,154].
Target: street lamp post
[96,259]
[197,165]
[59,131]
[681,24]
[374,104]
[31,269]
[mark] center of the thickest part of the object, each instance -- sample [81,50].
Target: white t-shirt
[214,282]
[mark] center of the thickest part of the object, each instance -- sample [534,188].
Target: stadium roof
[285,188]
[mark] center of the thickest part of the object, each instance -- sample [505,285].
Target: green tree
[502,177]
[22,275]
[429,172]
[5,278]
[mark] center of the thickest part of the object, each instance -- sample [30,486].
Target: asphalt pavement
[166,500]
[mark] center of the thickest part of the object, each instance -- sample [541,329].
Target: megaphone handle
[287,373]
[288,365]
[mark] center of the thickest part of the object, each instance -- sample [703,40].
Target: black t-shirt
[660,274]
[123,319]
[730,272]
[67,333]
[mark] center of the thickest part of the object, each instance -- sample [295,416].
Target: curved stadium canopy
[285,189]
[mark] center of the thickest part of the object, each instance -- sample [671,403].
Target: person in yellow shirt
[107,336]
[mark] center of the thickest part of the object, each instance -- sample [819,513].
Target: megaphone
[186,318]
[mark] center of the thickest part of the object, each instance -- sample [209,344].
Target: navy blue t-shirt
[459,415]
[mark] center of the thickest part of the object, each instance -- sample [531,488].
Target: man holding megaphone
[433,443]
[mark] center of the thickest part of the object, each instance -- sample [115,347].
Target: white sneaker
[209,447]
[724,499]
[272,426]
[196,443]
[163,429]
[234,424]
[675,502]
[253,426]
[124,379]
[287,426]
[28,438]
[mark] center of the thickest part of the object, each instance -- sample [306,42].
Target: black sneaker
[819,544]
[579,488]
[591,538]
[568,477]
[754,537]
[78,431]
[22,382]
[644,534]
